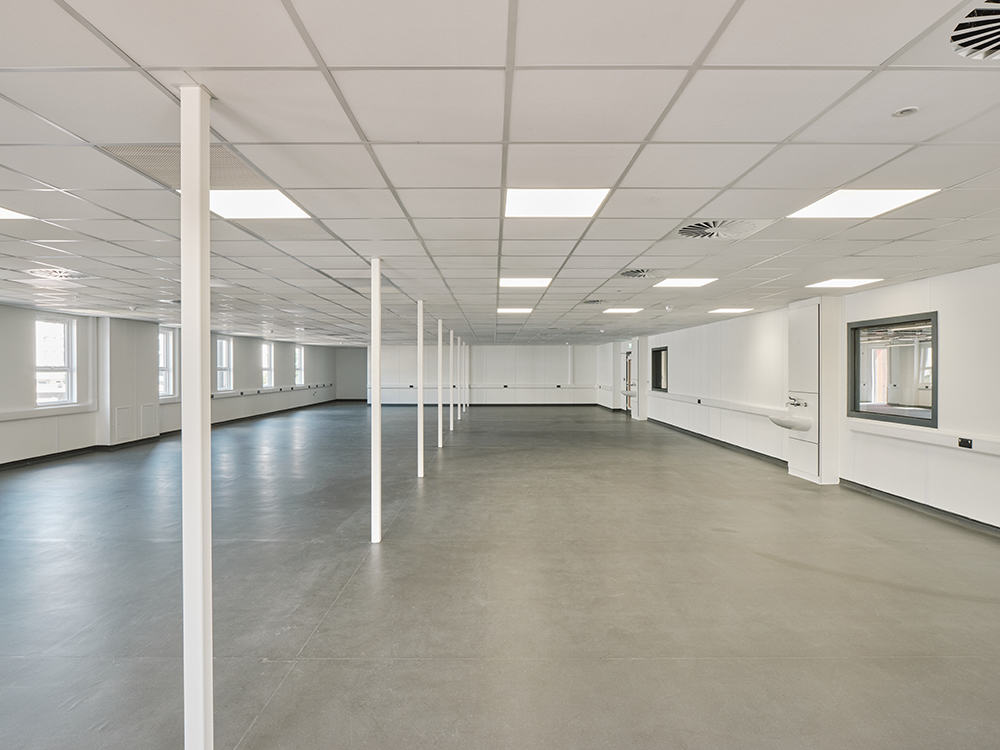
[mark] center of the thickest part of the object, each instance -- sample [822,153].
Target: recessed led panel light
[557,203]
[525,282]
[253,204]
[685,282]
[514,310]
[842,283]
[859,204]
[730,310]
[623,310]
[8,214]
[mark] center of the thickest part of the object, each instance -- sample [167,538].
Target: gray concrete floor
[562,578]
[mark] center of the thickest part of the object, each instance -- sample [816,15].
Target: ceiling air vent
[978,35]
[635,273]
[593,302]
[57,274]
[723,229]
[162,162]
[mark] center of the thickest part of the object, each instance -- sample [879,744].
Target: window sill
[39,412]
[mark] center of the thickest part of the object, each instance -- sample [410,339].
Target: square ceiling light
[554,203]
[685,282]
[623,310]
[253,204]
[730,310]
[511,282]
[841,283]
[514,310]
[859,204]
[8,214]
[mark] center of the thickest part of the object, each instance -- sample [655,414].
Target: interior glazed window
[267,364]
[659,374]
[223,364]
[300,370]
[166,366]
[893,375]
[55,362]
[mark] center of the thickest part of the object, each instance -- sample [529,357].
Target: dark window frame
[853,363]
[654,360]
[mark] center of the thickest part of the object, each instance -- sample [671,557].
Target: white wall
[908,461]
[735,367]
[498,374]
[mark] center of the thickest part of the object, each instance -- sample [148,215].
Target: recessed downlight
[685,282]
[841,283]
[553,203]
[514,310]
[859,204]
[8,214]
[623,310]
[906,112]
[515,282]
[730,310]
[253,204]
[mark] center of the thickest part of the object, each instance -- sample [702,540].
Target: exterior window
[223,364]
[658,379]
[300,370]
[267,364]
[893,375]
[167,363]
[55,362]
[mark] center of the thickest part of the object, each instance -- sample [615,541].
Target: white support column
[458,377]
[420,388]
[375,355]
[468,376]
[451,380]
[440,384]
[196,440]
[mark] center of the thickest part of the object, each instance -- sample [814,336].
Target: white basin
[793,422]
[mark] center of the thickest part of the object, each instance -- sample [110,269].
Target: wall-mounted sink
[793,422]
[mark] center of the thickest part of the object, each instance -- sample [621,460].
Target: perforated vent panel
[162,162]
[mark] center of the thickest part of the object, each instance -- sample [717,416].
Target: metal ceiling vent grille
[56,274]
[635,273]
[162,162]
[722,229]
[978,36]
[593,301]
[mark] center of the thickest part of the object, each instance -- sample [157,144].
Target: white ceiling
[397,125]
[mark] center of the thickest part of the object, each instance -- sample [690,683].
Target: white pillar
[468,376]
[451,380]
[375,349]
[440,384]
[458,377]
[420,388]
[196,440]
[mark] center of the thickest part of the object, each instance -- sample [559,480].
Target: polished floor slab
[563,577]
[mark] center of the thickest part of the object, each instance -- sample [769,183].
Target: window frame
[227,369]
[267,364]
[171,367]
[655,359]
[70,360]
[854,363]
[299,365]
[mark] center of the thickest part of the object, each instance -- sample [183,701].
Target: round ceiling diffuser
[978,35]
[635,273]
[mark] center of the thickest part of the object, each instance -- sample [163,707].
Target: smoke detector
[56,274]
[635,273]
[978,35]
[723,229]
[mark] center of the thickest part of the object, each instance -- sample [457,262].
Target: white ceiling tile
[13,181]
[445,203]
[51,205]
[227,33]
[313,249]
[537,247]
[630,229]
[627,248]
[137,204]
[114,229]
[386,33]
[63,43]
[817,166]
[543,229]
[461,247]
[458,229]
[760,204]
[316,166]
[982,129]
[670,165]
[964,229]
[379,248]
[626,32]
[348,204]
[651,203]
[752,105]
[437,165]
[275,105]
[72,167]
[426,105]
[17,125]
[103,107]
[562,165]
[372,229]
[888,229]
[946,99]
[589,105]
[849,32]
[811,229]
[285,229]
[933,167]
